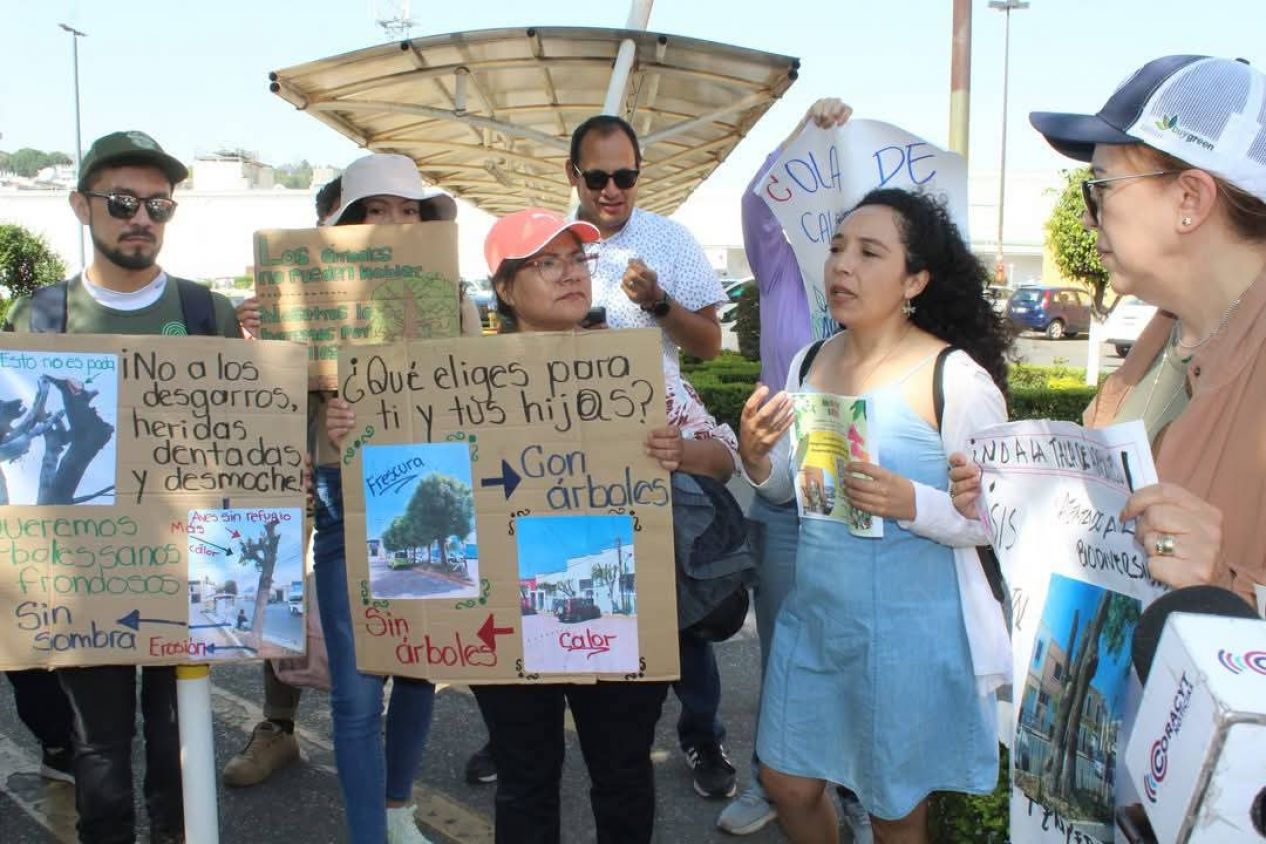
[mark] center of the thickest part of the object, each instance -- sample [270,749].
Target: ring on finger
[1164,545]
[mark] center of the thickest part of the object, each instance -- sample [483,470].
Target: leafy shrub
[747,323]
[956,818]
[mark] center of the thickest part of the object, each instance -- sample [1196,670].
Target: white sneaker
[402,828]
[747,813]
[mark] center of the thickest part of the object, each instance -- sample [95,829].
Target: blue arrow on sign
[509,480]
[134,620]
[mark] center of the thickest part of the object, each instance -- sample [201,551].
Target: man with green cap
[124,197]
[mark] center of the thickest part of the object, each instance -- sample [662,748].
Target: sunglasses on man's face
[123,206]
[597,179]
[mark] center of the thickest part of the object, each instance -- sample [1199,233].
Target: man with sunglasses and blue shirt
[651,272]
[124,197]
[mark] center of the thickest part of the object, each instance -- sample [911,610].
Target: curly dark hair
[952,306]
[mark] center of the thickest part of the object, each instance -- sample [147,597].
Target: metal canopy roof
[488,114]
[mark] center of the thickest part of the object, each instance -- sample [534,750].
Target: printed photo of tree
[1068,739]
[246,581]
[420,521]
[58,412]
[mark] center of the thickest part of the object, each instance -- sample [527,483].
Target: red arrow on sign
[489,631]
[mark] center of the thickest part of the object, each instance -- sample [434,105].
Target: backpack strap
[48,309]
[988,559]
[938,384]
[806,363]
[197,307]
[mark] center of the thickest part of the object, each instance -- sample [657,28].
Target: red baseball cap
[524,233]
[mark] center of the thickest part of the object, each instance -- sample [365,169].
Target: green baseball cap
[130,147]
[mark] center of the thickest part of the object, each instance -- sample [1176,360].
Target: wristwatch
[660,307]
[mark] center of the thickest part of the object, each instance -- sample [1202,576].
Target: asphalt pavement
[302,802]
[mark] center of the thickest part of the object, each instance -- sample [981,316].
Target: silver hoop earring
[1186,221]
[907,309]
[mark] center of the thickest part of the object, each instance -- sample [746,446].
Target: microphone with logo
[1197,752]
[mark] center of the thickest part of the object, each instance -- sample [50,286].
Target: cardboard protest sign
[343,284]
[151,499]
[503,521]
[1078,581]
[823,173]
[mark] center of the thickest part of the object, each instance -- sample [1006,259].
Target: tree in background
[1072,245]
[295,175]
[26,261]
[747,322]
[27,162]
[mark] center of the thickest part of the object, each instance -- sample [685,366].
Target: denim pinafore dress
[870,682]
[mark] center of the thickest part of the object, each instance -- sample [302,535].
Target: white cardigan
[972,402]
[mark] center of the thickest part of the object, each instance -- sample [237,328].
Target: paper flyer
[828,432]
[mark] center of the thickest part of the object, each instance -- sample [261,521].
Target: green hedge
[1037,392]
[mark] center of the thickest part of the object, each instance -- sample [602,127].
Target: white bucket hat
[389,174]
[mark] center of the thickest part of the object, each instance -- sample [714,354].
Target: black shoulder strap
[938,384]
[197,307]
[48,309]
[988,560]
[806,363]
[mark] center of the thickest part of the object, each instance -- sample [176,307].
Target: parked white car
[1126,322]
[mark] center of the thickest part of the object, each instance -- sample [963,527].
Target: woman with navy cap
[1178,198]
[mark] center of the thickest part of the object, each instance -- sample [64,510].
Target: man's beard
[127,261]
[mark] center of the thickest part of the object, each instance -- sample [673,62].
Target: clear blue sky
[195,74]
[546,543]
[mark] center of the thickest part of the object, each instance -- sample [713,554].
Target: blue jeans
[368,775]
[775,574]
[699,691]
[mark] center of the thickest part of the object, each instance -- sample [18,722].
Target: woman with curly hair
[887,651]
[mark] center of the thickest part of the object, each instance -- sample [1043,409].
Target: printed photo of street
[420,521]
[577,594]
[1069,734]
[246,582]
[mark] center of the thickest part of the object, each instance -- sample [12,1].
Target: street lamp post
[1006,7]
[75,35]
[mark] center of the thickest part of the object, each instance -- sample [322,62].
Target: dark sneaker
[714,775]
[480,768]
[58,763]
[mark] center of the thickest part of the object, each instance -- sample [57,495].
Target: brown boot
[270,748]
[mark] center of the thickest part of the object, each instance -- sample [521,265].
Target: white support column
[639,17]
[197,754]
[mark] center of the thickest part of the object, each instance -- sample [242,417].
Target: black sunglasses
[123,206]
[597,179]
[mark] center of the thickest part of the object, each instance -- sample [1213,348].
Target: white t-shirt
[134,301]
[684,273]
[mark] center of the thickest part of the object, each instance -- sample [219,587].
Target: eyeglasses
[597,179]
[553,269]
[1092,193]
[123,206]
